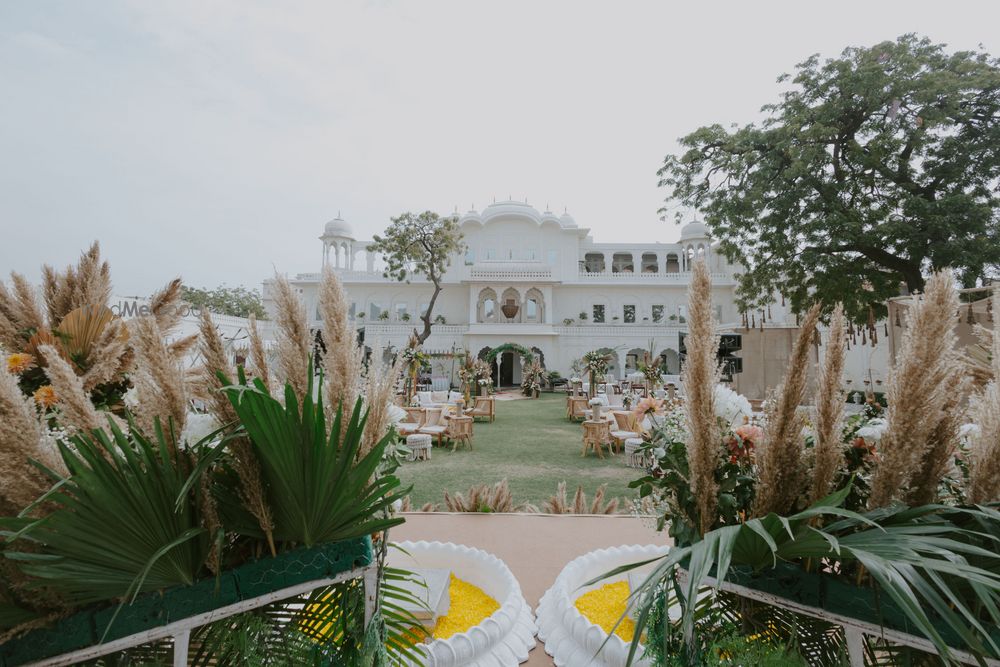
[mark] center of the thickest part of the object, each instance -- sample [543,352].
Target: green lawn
[531,444]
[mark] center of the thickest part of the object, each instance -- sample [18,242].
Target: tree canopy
[872,170]
[235,301]
[420,244]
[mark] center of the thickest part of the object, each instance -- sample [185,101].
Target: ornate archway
[502,372]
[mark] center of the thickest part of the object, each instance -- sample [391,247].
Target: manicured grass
[531,444]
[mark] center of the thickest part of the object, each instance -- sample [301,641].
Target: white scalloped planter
[569,637]
[503,639]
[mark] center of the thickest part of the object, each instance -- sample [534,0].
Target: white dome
[566,220]
[338,227]
[694,230]
[472,215]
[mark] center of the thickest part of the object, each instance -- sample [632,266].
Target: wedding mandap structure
[539,281]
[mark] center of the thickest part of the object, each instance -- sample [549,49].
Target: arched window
[593,262]
[511,297]
[621,262]
[486,310]
[534,306]
[649,263]
[673,263]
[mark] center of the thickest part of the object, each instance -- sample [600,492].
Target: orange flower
[647,405]
[750,432]
[45,396]
[19,362]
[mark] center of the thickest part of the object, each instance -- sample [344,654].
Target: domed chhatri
[695,230]
[339,228]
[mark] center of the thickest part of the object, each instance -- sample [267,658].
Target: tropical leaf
[318,486]
[940,574]
[116,528]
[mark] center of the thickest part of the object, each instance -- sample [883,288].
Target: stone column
[637,262]
[547,305]
[370,261]
[661,263]
[608,257]
[473,304]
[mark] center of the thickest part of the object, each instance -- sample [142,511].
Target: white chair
[634,457]
[420,447]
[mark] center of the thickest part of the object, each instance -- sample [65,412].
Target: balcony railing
[509,270]
[629,276]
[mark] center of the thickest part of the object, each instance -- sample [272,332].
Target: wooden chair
[432,425]
[596,434]
[485,406]
[626,427]
[460,431]
[577,407]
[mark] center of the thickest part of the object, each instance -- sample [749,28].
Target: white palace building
[541,281]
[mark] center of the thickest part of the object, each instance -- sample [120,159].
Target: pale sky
[213,139]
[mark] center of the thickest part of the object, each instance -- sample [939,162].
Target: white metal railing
[180,630]
[854,629]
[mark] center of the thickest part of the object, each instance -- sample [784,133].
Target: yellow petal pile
[605,605]
[469,607]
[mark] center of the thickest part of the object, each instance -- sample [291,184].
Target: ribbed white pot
[503,639]
[569,637]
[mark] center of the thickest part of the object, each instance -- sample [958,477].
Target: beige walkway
[534,546]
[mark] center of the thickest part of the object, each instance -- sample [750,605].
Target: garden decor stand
[175,613]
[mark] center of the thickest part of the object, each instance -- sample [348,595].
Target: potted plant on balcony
[889,517]
[384,316]
[582,316]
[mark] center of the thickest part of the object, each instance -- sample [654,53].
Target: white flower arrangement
[872,431]
[731,406]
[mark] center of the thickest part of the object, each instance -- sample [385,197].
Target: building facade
[538,280]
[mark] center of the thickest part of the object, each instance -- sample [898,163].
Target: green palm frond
[125,521]
[942,576]
[318,487]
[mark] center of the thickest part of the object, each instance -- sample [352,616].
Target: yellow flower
[605,605]
[19,362]
[469,607]
[45,396]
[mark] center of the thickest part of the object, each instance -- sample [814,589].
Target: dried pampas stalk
[214,361]
[258,356]
[917,390]
[158,380]
[76,409]
[939,451]
[10,331]
[294,341]
[28,313]
[379,392]
[92,280]
[700,376]
[245,461]
[984,455]
[107,355]
[164,305]
[22,438]
[779,458]
[342,362]
[830,409]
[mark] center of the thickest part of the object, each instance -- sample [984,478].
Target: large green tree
[873,169]
[235,301]
[420,244]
